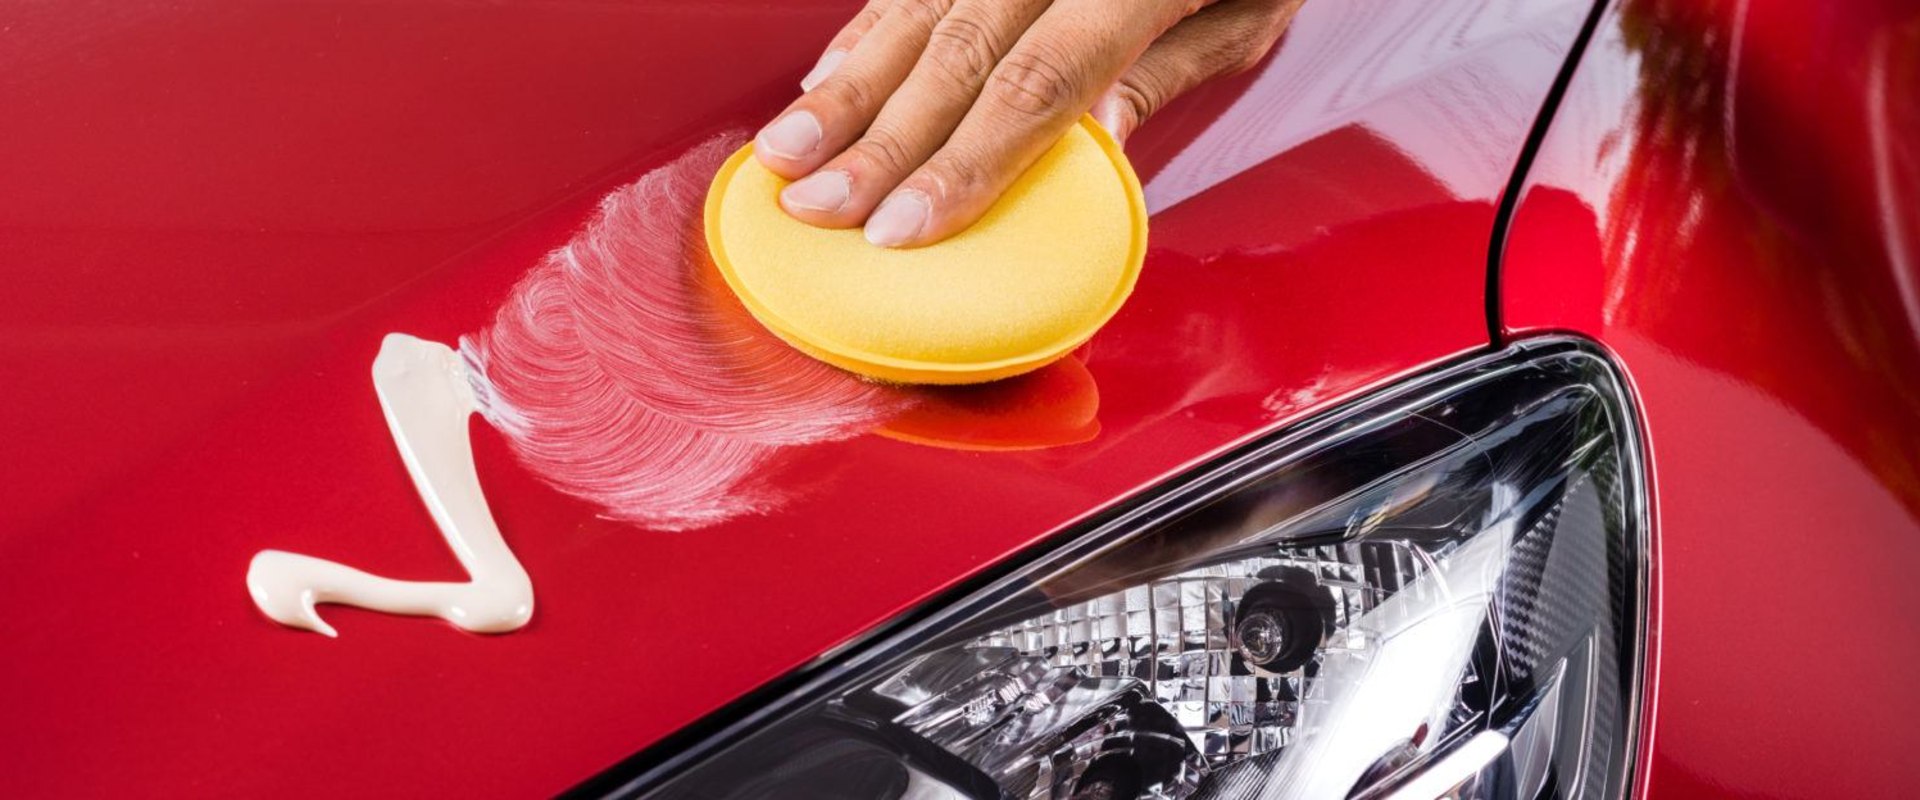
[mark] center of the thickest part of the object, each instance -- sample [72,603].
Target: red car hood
[214,216]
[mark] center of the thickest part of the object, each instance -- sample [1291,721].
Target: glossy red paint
[1727,200]
[215,214]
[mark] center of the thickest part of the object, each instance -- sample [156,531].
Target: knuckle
[1031,81]
[1138,99]
[847,90]
[955,172]
[885,150]
[961,50]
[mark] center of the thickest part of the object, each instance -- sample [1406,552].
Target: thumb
[1221,39]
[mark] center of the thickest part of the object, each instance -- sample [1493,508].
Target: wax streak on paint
[623,373]
[621,370]
[427,397]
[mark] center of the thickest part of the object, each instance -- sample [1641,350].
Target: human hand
[922,112]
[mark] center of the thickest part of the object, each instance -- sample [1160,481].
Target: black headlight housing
[1438,590]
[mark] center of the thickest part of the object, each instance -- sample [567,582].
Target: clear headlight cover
[1436,592]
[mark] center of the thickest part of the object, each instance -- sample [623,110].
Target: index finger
[1051,76]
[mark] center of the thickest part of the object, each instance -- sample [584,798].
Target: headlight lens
[1435,592]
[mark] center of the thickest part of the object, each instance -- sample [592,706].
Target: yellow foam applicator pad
[1046,267]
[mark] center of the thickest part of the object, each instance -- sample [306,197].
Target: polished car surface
[214,214]
[1726,199]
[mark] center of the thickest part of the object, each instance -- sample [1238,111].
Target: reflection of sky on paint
[1338,64]
[1895,193]
[1594,120]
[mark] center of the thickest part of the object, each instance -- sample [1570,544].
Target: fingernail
[898,219]
[792,136]
[821,191]
[826,65]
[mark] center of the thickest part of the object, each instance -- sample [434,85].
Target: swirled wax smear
[425,392]
[621,370]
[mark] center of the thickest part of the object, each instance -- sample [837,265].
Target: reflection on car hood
[217,214]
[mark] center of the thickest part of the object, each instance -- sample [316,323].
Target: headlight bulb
[1280,623]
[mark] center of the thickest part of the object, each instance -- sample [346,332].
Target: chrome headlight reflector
[1437,591]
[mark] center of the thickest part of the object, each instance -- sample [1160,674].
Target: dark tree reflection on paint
[1743,136]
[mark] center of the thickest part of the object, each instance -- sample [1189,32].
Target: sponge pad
[1046,267]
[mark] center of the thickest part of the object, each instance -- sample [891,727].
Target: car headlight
[1437,591]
